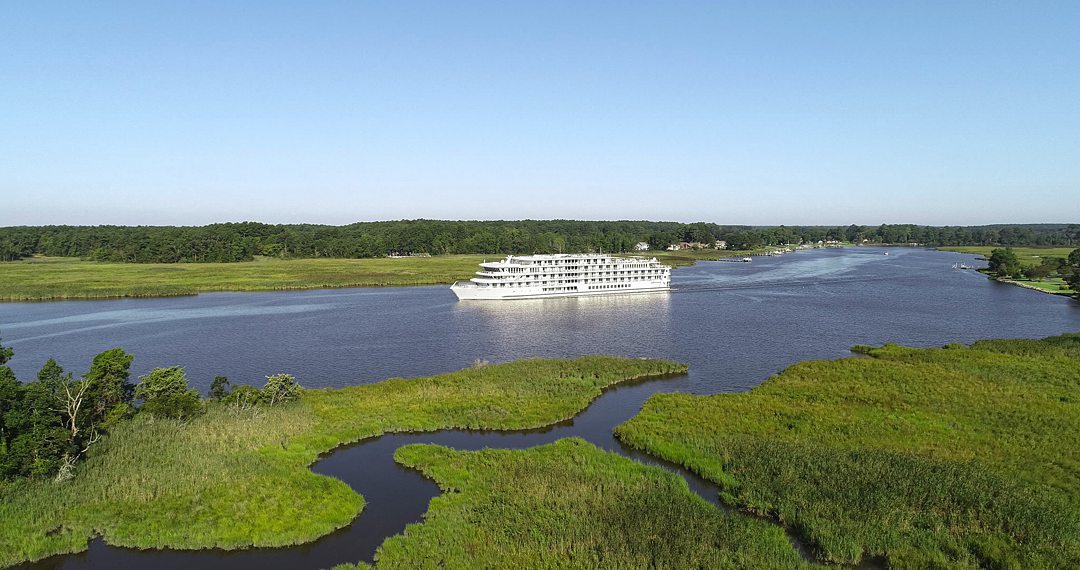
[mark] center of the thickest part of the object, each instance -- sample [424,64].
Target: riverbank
[960,456]
[1028,256]
[58,279]
[1054,286]
[235,479]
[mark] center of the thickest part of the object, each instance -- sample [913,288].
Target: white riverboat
[564,275]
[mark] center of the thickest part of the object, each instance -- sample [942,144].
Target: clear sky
[802,112]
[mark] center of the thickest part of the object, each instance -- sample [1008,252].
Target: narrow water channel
[397,496]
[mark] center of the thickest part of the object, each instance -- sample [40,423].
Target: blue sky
[743,113]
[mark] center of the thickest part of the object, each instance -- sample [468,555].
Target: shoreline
[983,255]
[84,279]
[1068,294]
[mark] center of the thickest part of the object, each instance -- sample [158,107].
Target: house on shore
[720,244]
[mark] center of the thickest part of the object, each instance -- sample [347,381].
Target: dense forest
[242,241]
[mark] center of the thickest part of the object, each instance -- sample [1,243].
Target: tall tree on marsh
[219,388]
[1004,263]
[110,393]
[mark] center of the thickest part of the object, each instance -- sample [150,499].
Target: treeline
[243,241]
[49,424]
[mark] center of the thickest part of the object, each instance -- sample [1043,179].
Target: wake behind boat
[564,275]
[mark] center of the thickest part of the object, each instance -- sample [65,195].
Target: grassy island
[964,456]
[571,505]
[230,480]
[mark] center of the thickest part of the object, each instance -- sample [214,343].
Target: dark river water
[735,324]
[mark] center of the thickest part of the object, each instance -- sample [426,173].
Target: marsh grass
[233,480]
[39,279]
[569,504]
[961,456]
[1027,255]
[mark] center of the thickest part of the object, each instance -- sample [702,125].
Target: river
[735,324]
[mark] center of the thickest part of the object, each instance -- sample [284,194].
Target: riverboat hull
[464,292]
[467,292]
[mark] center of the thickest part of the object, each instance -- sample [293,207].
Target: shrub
[219,388]
[280,388]
[165,394]
[243,395]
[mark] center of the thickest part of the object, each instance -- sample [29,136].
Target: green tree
[10,404]
[1040,271]
[1057,264]
[1074,258]
[1004,263]
[280,388]
[10,396]
[244,395]
[109,393]
[42,443]
[1073,280]
[219,388]
[165,393]
[6,353]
